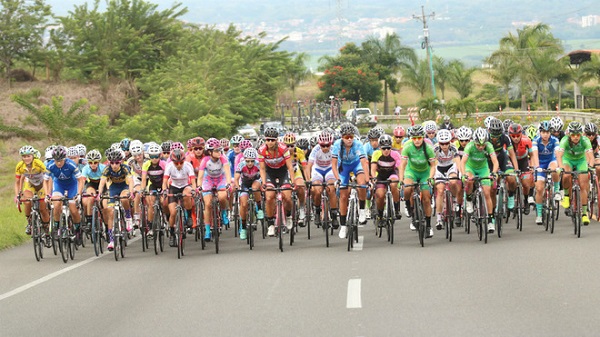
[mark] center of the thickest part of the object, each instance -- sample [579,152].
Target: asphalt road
[529,283]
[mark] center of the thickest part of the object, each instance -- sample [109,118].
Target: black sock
[271,221]
[361,204]
[490,217]
[333,213]
[428,221]
[397,206]
[380,213]
[88,218]
[342,220]
[243,224]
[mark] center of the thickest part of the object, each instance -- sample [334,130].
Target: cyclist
[418,166]
[304,145]
[224,145]
[152,177]
[574,153]
[463,136]
[276,168]
[135,163]
[506,157]
[474,163]
[318,170]
[195,157]
[591,132]
[431,131]
[73,154]
[121,184]
[66,180]
[234,151]
[247,177]
[214,173]
[373,142]
[92,172]
[447,158]
[556,124]
[384,166]
[543,157]
[523,148]
[348,153]
[179,177]
[447,124]
[124,144]
[244,144]
[29,181]
[166,150]
[399,135]
[299,162]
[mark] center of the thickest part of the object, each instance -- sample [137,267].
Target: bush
[21,75]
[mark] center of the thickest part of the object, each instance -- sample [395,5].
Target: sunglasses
[198,148]
[417,138]
[291,145]
[235,145]
[178,162]
[398,137]
[115,163]
[325,145]
[575,134]
[386,148]
[590,134]
[479,144]
[444,144]
[431,133]
[166,152]
[249,161]
[94,162]
[154,156]
[271,140]
[348,137]
[463,140]
[515,136]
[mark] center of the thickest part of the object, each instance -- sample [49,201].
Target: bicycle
[575,207]
[352,215]
[480,212]
[308,209]
[251,218]
[180,224]
[66,237]
[593,195]
[550,206]
[325,209]
[159,223]
[519,202]
[120,235]
[199,231]
[235,214]
[38,237]
[418,217]
[389,213]
[502,212]
[216,215]
[98,230]
[144,228]
[448,203]
[280,218]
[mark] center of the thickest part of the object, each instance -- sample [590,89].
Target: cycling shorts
[576,165]
[355,168]
[445,172]
[482,173]
[543,164]
[176,190]
[277,177]
[59,189]
[321,175]
[246,186]
[208,183]
[418,177]
[36,190]
[115,190]
[392,177]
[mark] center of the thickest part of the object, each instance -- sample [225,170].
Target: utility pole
[425,44]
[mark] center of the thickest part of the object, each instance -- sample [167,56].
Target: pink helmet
[399,131]
[213,143]
[325,138]
[176,145]
[224,143]
[189,143]
[245,144]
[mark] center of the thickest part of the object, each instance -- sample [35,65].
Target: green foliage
[465,106]
[351,83]
[429,108]
[460,78]
[417,77]
[489,92]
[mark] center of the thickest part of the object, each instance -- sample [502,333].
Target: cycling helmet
[177,156]
[487,121]
[271,132]
[125,142]
[464,133]
[303,143]
[250,153]
[212,143]
[399,131]
[379,129]
[115,146]
[444,136]
[417,131]
[245,144]
[480,136]
[314,140]
[374,134]
[260,142]
[82,150]
[575,128]
[236,140]
[590,128]
[347,129]
[515,129]
[556,123]
[496,127]
[506,124]
[430,126]
[447,119]
[26,150]
[136,148]
[72,152]
[94,155]
[289,138]
[176,146]
[166,146]
[154,150]
[385,141]
[59,153]
[325,138]
[531,131]
[37,154]
[196,142]
[224,143]
[545,126]
[189,143]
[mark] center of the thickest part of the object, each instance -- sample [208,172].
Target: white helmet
[430,126]
[82,150]
[136,147]
[556,123]
[487,121]
[250,153]
[444,136]
[464,133]
[154,149]
[72,152]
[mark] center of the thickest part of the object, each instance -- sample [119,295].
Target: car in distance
[362,116]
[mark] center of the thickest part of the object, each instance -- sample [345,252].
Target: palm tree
[503,71]
[388,57]
[460,78]
[417,77]
[296,72]
[440,67]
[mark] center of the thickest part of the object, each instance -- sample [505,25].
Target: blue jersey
[67,174]
[348,157]
[91,175]
[369,149]
[231,158]
[545,152]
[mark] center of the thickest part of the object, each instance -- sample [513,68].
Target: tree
[22,25]
[440,68]
[417,77]
[504,71]
[460,78]
[387,57]
[297,72]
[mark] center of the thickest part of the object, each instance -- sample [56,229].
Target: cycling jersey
[419,159]
[476,158]
[445,159]
[91,175]
[348,156]
[501,144]
[573,152]
[545,152]
[154,173]
[523,148]
[195,161]
[369,149]
[136,168]
[117,177]
[231,155]
[213,168]
[386,165]
[273,160]
[34,174]
[68,173]
[397,146]
[298,157]
[180,178]
[248,174]
[319,158]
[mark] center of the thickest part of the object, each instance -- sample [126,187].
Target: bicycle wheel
[156,232]
[591,198]
[519,208]
[449,216]
[551,219]
[143,229]
[390,219]
[116,234]
[350,223]
[577,200]
[36,236]
[250,223]
[95,233]
[63,237]
[279,219]
[499,209]
[478,217]
[484,214]
[326,222]
[216,216]
[236,214]
[178,231]
[309,213]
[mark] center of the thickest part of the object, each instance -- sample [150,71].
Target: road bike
[480,211]
[65,234]
[352,215]
[448,203]
[38,234]
[280,218]
[418,216]
[389,213]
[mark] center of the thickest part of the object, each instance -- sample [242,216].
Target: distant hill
[312,25]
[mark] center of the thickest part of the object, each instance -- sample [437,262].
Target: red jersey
[194,161]
[523,148]
[276,160]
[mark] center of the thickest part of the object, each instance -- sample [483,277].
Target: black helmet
[271,132]
[347,129]
[496,128]
[166,146]
[59,153]
[385,141]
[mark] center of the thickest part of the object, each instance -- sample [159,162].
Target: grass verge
[12,223]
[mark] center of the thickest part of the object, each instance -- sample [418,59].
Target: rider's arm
[227,173]
[534,158]
[494,163]
[18,184]
[463,164]
[101,185]
[365,166]
[308,170]
[403,163]
[290,166]
[513,158]
[589,156]
[263,172]
[559,155]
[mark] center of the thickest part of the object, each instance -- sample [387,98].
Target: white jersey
[180,178]
[445,159]
[320,159]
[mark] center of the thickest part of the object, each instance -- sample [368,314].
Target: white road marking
[53,275]
[358,245]
[353,297]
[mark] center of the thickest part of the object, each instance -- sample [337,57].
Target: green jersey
[478,158]
[417,161]
[572,152]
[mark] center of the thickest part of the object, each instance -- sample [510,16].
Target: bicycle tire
[309,212]
[484,214]
[143,223]
[551,218]
[477,216]
[54,236]
[449,216]
[591,198]
[41,234]
[116,234]
[519,204]
[418,217]
[577,212]
[177,231]
[216,222]
[250,223]
[63,237]
[101,233]
[500,209]
[390,220]
[279,224]
[95,231]
[350,224]
[35,235]
[236,214]
[156,231]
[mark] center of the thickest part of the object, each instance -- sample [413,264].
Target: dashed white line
[358,245]
[353,297]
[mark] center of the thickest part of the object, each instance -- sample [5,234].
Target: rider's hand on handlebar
[17,199]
